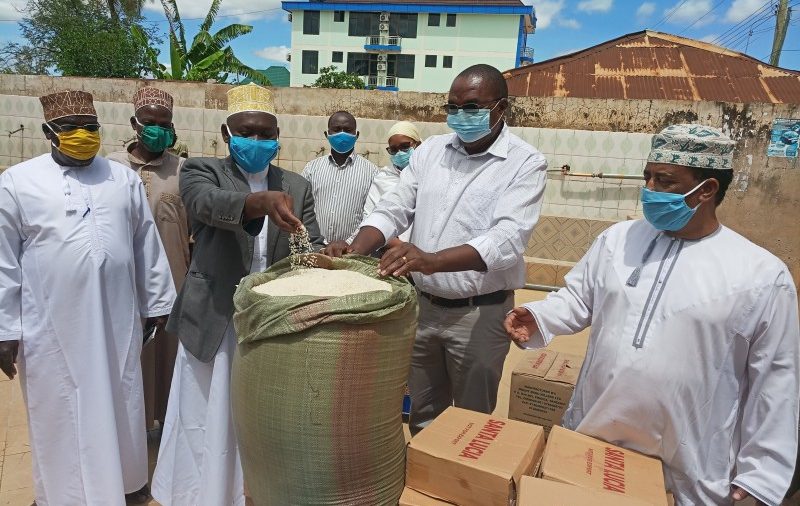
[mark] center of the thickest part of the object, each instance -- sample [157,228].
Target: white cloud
[12,9]
[569,23]
[645,10]
[690,11]
[595,5]
[742,9]
[546,11]
[709,38]
[273,53]
[231,11]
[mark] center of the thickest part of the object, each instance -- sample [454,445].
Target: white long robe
[198,460]
[80,264]
[697,364]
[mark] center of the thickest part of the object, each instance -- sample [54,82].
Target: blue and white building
[410,46]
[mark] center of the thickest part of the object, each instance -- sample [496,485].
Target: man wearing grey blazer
[227,201]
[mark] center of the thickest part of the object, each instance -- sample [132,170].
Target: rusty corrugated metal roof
[655,65]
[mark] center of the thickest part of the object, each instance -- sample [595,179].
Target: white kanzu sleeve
[768,449]
[154,284]
[569,310]
[10,271]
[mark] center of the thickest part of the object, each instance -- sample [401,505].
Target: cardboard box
[537,492]
[542,386]
[411,497]
[586,462]
[471,458]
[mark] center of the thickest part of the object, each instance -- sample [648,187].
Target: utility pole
[781,24]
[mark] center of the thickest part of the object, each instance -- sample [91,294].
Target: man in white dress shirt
[694,348]
[474,197]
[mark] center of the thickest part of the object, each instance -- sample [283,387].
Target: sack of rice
[318,381]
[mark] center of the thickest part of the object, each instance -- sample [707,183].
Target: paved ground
[15,458]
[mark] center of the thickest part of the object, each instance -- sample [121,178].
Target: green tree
[329,77]
[129,8]
[208,58]
[77,38]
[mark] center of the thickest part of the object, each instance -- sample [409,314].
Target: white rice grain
[322,283]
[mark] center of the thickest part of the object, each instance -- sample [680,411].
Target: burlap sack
[317,390]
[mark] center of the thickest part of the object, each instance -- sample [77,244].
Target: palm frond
[230,32]
[212,14]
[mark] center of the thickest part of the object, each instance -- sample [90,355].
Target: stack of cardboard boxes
[473,459]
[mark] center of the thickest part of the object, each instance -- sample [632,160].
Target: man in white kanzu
[81,265]
[694,350]
[474,197]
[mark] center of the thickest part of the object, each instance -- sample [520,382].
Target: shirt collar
[349,161]
[156,162]
[499,147]
[257,178]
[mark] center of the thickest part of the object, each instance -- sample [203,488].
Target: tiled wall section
[302,140]
[564,239]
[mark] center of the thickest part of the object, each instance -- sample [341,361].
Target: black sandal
[141,496]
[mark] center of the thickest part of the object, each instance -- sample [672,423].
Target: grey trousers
[457,359]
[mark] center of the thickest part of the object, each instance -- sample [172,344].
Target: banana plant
[209,57]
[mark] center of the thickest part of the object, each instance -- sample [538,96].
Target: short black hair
[490,75]
[723,177]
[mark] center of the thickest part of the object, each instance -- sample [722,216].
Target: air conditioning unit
[288,56]
[384,27]
[384,16]
[381,66]
[290,17]
[382,57]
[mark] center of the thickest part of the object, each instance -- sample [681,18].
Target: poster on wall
[784,139]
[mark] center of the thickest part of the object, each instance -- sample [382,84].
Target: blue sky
[564,26]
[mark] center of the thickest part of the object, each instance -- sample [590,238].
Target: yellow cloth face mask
[79,144]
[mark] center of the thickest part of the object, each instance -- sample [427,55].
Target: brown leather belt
[479,300]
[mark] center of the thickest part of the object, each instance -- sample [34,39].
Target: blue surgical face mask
[252,155]
[401,158]
[342,142]
[471,126]
[667,211]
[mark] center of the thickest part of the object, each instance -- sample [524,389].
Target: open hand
[402,258]
[337,249]
[8,357]
[520,325]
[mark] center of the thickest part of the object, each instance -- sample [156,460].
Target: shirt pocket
[475,210]
[170,209]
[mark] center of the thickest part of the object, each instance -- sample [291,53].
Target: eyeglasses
[89,127]
[470,108]
[404,147]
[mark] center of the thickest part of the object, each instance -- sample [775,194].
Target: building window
[403,65]
[447,62]
[363,24]
[430,60]
[311,23]
[359,63]
[403,25]
[434,19]
[451,20]
[337,57]
[338,16]
[310,62]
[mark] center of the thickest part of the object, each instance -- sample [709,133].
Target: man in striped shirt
[340,180]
